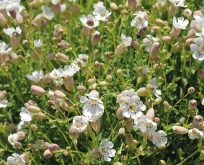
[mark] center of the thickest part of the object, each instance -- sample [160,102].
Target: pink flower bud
[59,94]
[95,38]
[37,90]
[21,135]
[180,130]
[192,104]
[33,108]
[73,132]
[19,18]
[197,122]
[47,154]
[53,147]
[14,42]
[96,125]
[150,114]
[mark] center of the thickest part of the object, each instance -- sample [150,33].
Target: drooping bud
[68,83]
[180,130]
[95,38]
[192,104]
[197,122]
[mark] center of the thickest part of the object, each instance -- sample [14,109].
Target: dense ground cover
[101,82]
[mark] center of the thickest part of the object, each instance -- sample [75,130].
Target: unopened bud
[68,83]
[187,13]
[33,108]
[119,73]
[47,154]
[132,4]
[129,124]
[59,94]
[21,135]
[113,6]
[162,162]
[37,90]
[150,114]
[180,130]
[95,153]
[197,122]
[158,100]
[191,34]
[119,113]
[3,95]
[25,157]
[96,125]
[109,78]
[39,115]
[166,38]
[53,147]
[191,90]
[95,38]
[166,105]
[81,89]
[161,22]
[61,57]
[192,104]
[142,92]
[3,20]
[156,119]
[120,49]
[73,132]
[135,44]
[121,131]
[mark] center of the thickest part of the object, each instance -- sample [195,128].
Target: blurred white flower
[100,12]
[38,43]
[25,115]
[55,2]
[3,103]
[149,42]
[47,12]
[93,107]
[198,19]
[35,76]
[70,70]
[126,40]
[140,21]
[179,3]
[156,91]
[195,134]
[106,150]
[180,23]
[56,73]
[159,138]
[4,48]
[130,104]
[82,59]
[12,139]
[89,21]
[12,31]
[202,101]
[80,123]
[145,125]
[15,159]
[198,48]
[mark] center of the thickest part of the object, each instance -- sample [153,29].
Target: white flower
[12,139]
[80,123]
[130,104]
[100,12]
[126,40]
[93,107]
[202,101]
[12,31]
[156,91]
[149,42]
[47,12]
[36,76]
[25,115]
[195,134]
[89,21]
[15,159]
[106,150]
[179,3]
[3,103]
[140,21]
[159,138]
[70,70]
[55,2]
[82,59]
[56,73]
[198,48]
[180,23]
[4,49]
[38,43]
[198,19]
[145,125]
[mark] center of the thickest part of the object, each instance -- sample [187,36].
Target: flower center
[92,102]
[201,49]
[133,107]
[90,21]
